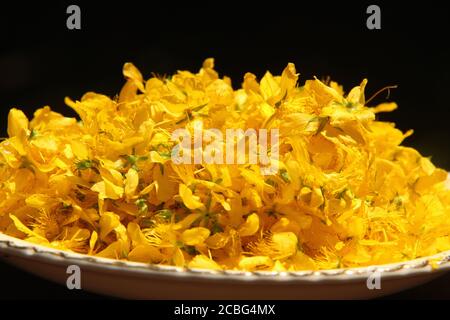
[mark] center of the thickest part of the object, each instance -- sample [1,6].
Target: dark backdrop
[41,61]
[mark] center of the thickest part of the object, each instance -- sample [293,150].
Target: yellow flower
[203,262]
[17,123]
[191,201]
[251,225]
[31,235]
[107,189]
[145,253]
[109,221]
[93,242]
[195,236]
[255,263]
[131,182]
[133,74]
[279,245]
[346,192]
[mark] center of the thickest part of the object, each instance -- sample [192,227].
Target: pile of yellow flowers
[346,193]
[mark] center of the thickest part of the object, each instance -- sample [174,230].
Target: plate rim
[11,246]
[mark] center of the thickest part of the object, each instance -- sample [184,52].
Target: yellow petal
[195,236]
[145,253]
[269,86]
[22,228]
[116,250]
[255,263]
[187,221]
[221,199]
[178,258]
[131,182]
[93,241]
[131,72]
[250,226]
[107,189]
[17,123]
[137,237]
[203,262]
[108,222]
[385,107]
[217,240]
[285,244]
[79,149]
[189,200]
[284,225]
[288,80]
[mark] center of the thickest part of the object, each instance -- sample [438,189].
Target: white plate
[142,281]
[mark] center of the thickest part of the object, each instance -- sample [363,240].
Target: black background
[41,61]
